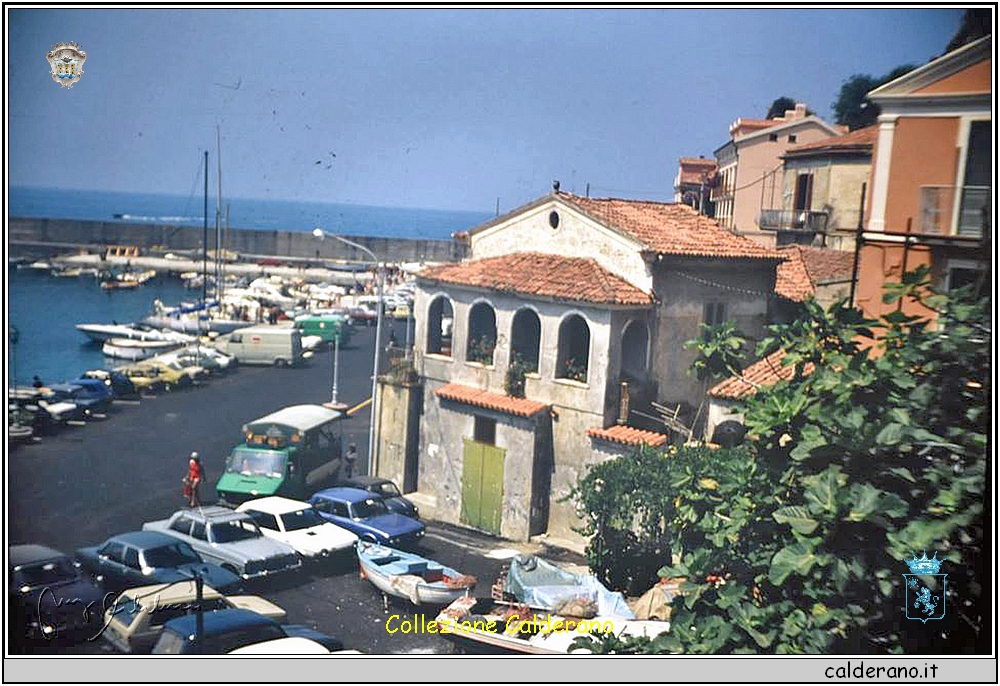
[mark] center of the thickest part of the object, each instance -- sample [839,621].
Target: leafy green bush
[853,467]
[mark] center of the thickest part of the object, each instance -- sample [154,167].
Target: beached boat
[104,332]
[412,577]
[491,625]
[136,349]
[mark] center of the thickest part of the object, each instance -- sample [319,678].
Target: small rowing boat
[135,349]
[411,577]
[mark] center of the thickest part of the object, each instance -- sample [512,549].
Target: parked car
[48,597]
[139,558]
[385,489]
[299,525]
[121,386]
[227,630]
[292,645]
[230,539]
[368,516]
[134,622]
[171,376]
[89,395]
[145,378]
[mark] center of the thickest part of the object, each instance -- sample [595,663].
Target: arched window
[525,338]
[482,334]
[635,347]
[574,349]
[439,324]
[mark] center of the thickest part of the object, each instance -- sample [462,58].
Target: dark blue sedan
[142,558]
[367,515]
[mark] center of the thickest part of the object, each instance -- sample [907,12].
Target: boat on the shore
[412,577]
[519,628]
[100,333]
[135,349]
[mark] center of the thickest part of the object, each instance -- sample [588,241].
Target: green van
[285,453]
[326,326]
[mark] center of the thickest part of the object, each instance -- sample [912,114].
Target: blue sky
[445,109]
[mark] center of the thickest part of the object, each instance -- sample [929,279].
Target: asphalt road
[84,484]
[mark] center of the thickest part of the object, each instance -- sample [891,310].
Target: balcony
[793,220]
[938,210]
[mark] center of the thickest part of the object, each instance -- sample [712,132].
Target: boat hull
[129,349]
[400,582]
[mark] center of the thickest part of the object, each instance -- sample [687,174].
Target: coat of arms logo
[922,603]
[66,62]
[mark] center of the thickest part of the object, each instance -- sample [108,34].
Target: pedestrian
[37,382]
[192,480]
[350,458]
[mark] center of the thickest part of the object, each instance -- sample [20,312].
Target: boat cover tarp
[541,584]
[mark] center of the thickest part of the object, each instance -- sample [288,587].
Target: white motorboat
[103,332]
[136,349]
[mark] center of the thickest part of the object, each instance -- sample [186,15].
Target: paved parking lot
[84,484]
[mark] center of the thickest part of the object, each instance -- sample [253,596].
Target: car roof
[179,591]
[30,552]
[213,513]
[290,645]
[366,480]
[274,504]
[218,622]
[144,539]
[351,495]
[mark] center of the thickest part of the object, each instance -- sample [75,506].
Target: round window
[554,219]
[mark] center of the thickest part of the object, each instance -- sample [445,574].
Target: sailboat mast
[204,241]
[218,216]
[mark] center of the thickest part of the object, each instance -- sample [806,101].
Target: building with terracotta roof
[931,196]
[816,199]
[545,351]
[693,184]
[808,272]
[751,156]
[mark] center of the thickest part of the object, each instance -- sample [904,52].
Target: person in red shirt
[193,479]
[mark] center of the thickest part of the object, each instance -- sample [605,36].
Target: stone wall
[397,421]
[54,235]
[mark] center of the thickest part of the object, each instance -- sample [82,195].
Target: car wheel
[230,568]
[370,538]
[280,363]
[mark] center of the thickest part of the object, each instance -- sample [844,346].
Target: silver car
[230,539]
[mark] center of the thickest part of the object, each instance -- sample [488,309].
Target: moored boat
[412,577]
[135,349]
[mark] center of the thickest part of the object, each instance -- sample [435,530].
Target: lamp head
[318,232]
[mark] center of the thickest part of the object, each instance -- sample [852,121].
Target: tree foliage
[778,107]
[976,23]
[852,108]
[874,451]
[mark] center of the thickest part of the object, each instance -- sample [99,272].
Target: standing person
[350,458]
[195,475]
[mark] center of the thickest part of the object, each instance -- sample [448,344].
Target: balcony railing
[793,220]
[937,209]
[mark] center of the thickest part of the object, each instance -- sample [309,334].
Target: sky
[442,109]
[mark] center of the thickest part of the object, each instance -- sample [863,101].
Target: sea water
[43,309]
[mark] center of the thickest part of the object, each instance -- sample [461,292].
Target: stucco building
[752,157]
[931,196]
[694,181]
[540,354]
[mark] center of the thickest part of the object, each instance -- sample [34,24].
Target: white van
[277,345]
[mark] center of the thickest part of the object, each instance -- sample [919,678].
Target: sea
[42,309]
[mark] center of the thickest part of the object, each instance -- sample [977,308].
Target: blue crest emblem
[66,63]
[922,601]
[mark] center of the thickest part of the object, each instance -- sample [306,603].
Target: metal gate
[482,485]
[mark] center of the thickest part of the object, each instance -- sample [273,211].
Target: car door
[200,542]
[110,561]
[131,568]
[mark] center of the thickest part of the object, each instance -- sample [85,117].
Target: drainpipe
[858,239]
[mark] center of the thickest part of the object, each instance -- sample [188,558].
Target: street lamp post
[320,233]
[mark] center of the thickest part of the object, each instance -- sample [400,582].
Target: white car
[299,525]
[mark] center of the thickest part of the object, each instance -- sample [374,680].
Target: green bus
[326,326]
[285,453]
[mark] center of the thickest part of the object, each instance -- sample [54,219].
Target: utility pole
[858,238]
[199,596]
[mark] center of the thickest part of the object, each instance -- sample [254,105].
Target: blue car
[367,515]
[143,558]
[227,630]
[90,395]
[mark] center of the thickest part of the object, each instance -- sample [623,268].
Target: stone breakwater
[53,236]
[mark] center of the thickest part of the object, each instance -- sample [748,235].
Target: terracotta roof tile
[628,435]
[551,276]
[669,228]
[861,140]
[522,407]
[792,279]
[824,264]
[764,372]
[693,168]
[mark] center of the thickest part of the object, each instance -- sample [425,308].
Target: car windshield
[234,530]
[257,463]
[386,489]
[369,508]
[46,573]
[172,555]
[301,519]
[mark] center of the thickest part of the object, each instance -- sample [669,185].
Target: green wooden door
[482,486]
